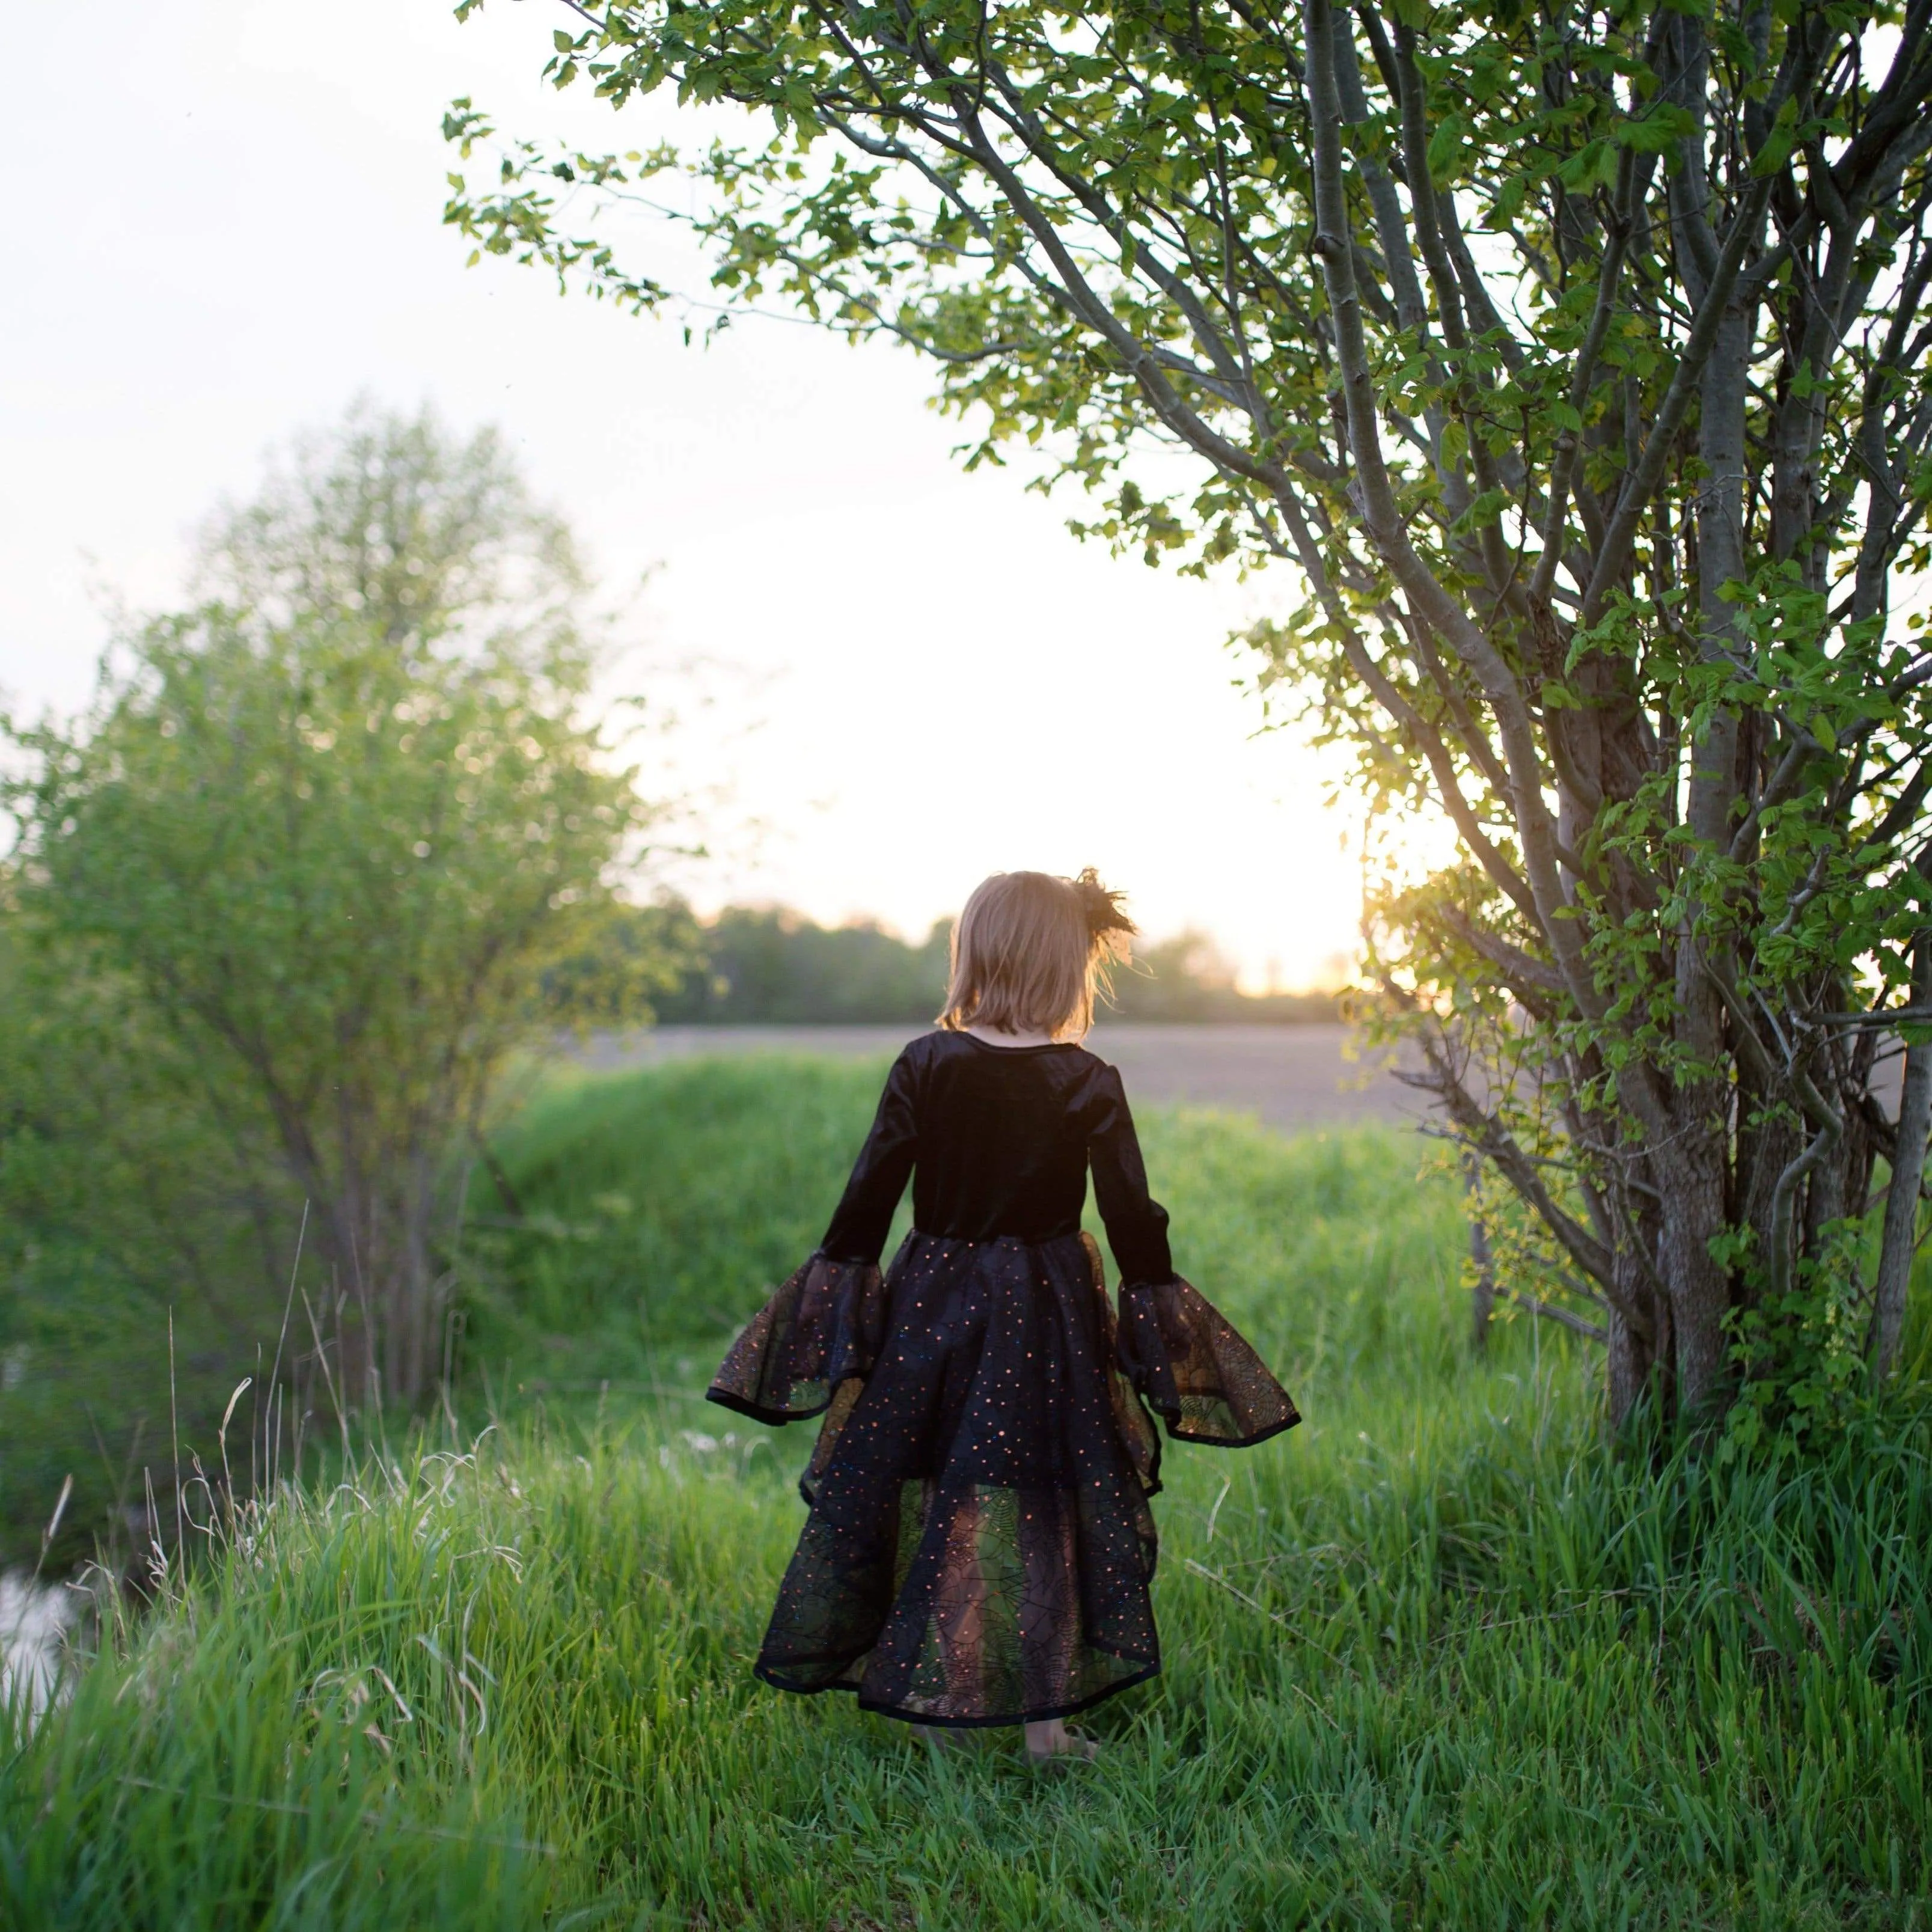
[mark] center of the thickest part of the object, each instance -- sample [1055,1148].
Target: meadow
[1434,1658]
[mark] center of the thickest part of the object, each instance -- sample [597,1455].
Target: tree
[133,1240]
[1571,359]
[1186,977]
[331,826]
[769,964]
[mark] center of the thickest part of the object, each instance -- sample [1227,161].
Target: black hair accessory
[1101,909]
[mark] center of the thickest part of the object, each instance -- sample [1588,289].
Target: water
[34,1621]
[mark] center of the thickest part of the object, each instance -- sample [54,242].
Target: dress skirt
[979,1546]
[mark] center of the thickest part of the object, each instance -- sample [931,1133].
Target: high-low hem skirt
[978,1546]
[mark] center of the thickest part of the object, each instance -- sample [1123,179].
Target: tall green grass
[1434,1658]
[660,1210]
[656,1211]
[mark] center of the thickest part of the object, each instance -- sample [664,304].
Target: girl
[979,1545]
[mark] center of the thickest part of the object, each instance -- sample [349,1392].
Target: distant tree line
[768,965]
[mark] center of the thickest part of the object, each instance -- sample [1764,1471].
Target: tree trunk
[417,1279]
[1636,1361]
[1630,1364]
[1693,1170]
[1692,1178]
[1900,1240]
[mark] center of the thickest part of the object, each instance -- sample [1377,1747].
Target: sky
[888,677]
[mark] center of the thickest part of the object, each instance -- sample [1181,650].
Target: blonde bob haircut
[1030,952]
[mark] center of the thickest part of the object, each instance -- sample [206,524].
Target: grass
[1434,1658]
[661,1209]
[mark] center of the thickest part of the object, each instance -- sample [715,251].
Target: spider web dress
[979,1545]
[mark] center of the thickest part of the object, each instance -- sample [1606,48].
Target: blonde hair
[1030,951]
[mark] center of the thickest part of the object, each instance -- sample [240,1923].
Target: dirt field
[1294,1077]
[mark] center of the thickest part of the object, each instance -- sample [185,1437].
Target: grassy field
[1433,1659]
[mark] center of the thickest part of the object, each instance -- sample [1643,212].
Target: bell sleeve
[1186,1359]
[824,1326]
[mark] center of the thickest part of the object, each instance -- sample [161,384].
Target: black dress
[979,1545]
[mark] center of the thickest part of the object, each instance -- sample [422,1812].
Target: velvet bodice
[997,1141]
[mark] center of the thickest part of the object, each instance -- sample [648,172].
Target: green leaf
[1445,150]
[1779,143]
[1593,166]
[1483,511]
[1658,132]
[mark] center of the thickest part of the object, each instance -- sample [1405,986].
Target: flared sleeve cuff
[822,1327]
[1196,1370]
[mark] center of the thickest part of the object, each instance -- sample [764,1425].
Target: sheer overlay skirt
[979,1546]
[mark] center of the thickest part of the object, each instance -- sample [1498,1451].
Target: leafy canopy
[332,825]
[1571,359]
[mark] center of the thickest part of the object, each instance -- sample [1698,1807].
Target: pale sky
[225,226]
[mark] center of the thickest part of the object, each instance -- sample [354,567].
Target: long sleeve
[1180,1351]
[864,1216]
[813,1343]
[1136,1223]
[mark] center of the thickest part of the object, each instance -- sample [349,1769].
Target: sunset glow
[916,676]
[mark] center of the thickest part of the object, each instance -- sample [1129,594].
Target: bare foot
[1050,1742]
